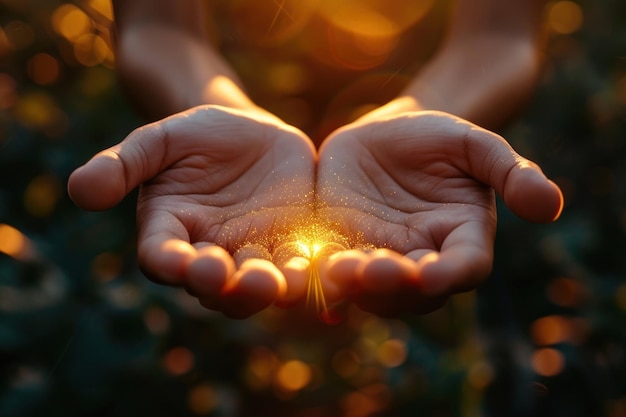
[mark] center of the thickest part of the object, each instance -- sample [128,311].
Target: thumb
[112,173]
[519,181]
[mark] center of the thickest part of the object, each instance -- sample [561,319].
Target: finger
[163,250]
[345,269]
[464,261]
[521,183]
[111,174]
[253,287]
[208,272]
[296,273]
[386,271]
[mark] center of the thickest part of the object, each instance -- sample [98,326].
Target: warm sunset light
[315,243]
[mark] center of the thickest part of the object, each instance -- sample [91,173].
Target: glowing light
[565,17]
[293,375]
[12,241]
[392,353]
[178,361]
[71,22]
[547,362]
[202,399]
[315,243]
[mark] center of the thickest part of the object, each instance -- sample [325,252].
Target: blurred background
[83,333]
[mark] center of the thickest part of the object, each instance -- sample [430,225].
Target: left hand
[419,187]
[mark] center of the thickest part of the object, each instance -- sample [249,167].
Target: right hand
[217,187]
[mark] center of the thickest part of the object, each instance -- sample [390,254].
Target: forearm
[488,65]
[165,61]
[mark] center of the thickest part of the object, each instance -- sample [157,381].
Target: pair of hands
[221,188]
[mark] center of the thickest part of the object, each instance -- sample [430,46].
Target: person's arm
[487,67]
[165,61]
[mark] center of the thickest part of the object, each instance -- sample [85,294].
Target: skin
[414,178]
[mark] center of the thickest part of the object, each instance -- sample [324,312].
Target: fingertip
[532,196]
[166,262]
[208,271]
[295,272]
[97,185]
[386,271]
[345,267]
[256,285]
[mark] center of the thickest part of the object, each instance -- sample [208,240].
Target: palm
[231,191]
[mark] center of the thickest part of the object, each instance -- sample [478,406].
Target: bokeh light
[202,399]
[38,110]
[567,292]
[157,320]
[392,353]
[12,241]
[42,195]
[178,360]
[71,22]
[262,365]
[565,17]
[293,375]
[547,362]
[43,69]
[549,330]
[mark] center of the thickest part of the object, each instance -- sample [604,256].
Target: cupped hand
[216,187]
[419,186]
